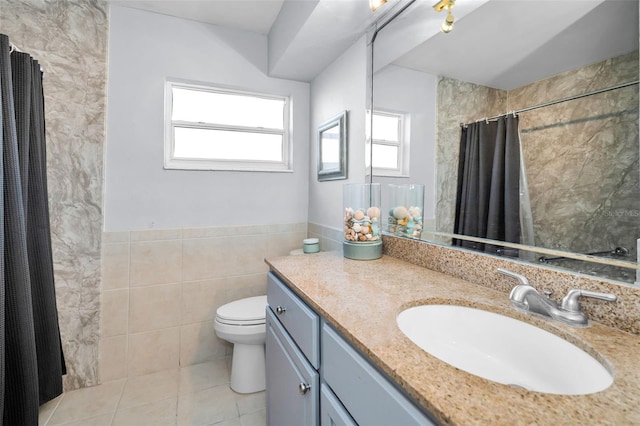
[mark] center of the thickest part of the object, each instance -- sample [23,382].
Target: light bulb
[375,4]
[447,24]
[446,27]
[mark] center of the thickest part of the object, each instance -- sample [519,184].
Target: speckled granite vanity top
[362,299]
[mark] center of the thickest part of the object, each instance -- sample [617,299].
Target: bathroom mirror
[580,156]
[332,148]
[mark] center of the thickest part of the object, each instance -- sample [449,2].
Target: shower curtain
[488,195]
[31,360]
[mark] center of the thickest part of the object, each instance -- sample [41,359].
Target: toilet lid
[247,311]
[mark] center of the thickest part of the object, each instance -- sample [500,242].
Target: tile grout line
[126,344]
[113,415]
[54,409]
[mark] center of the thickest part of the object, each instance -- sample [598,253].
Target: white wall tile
[205,258]
[199,343]
[246,253]
[281,244]
[153,351]
[115,312]
[154,307]
[155,262]
[242,286]
[200,299]
[156,234]
[115,265]
[113,358]
[115,237]
[163,288]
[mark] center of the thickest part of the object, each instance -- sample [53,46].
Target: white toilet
[242,323]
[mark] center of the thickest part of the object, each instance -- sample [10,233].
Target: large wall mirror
[561,79]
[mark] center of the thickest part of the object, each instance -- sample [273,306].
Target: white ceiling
[508,44]
[256,16]
[498,43]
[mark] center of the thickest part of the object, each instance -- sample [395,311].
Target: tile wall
[69,40]
[330,238]
[161,289]
[592,207]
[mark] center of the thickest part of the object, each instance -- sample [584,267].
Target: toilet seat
[243,312]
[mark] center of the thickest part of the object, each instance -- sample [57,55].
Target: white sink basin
[503,349]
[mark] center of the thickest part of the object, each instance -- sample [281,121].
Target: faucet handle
[571,302]
[521,278]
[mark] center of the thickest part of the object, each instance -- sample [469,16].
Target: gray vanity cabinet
[314,376]
[366,394]
[292,384]
[293,358]
[332,412]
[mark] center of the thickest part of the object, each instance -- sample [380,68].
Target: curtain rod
[14,48]
[558,101]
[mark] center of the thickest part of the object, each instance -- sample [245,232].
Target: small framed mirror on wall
[332,148]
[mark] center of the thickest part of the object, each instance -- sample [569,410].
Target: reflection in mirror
[332,148]
[572,84]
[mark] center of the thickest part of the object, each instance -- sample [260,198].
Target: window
[390,147]
[210,128]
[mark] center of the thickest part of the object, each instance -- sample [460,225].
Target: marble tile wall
[589,208]
[595,205]
[69,39]
[161,289]
[457,102]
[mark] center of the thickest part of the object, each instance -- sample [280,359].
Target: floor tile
[230,422]
[47,409]
[102,420]
[202,376]
[258,418]
[159,413]
[150,388]
[197,395]
[206,407]
[250,403]
[88,402]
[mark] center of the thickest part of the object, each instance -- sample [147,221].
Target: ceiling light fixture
[447,24]
[375,4]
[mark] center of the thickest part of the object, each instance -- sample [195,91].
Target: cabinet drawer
[302,324]
[368,396]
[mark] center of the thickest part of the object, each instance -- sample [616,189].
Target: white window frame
[171,162]
[402,167]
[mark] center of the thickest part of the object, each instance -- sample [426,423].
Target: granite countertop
[361,299]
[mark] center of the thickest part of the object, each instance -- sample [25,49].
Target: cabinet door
[293,386]
[366,394]
[332,413]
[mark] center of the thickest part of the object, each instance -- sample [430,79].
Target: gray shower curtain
[31,361]
[488,196]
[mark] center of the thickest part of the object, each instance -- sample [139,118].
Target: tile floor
[193,395]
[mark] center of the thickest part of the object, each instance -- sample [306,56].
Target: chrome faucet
[525,298]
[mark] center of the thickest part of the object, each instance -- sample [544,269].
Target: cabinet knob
[280,310]
[303,388]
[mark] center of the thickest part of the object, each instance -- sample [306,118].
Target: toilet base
[248,368]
